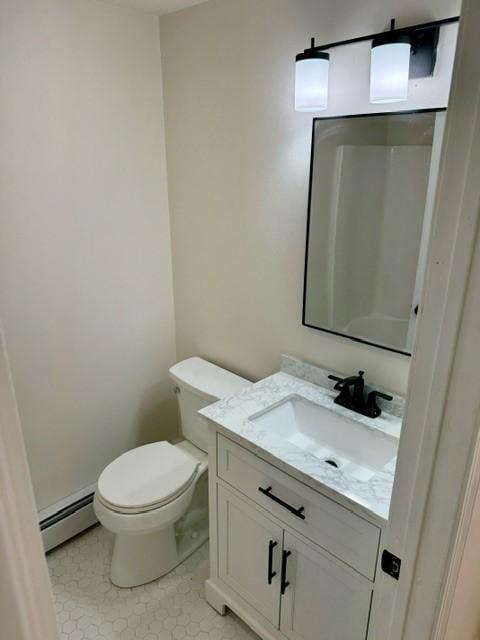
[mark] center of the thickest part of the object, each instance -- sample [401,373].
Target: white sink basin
[338,441]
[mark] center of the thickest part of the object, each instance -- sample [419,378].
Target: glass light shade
[311,81]
[389,72]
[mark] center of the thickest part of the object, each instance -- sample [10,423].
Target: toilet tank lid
[207,379]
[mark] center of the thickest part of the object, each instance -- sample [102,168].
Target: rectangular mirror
[372,184]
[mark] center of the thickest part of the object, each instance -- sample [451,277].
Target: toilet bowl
[155,497]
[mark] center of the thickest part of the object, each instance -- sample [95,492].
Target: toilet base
[138,559]
[144,553]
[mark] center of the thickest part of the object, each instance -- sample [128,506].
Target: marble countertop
[369,498]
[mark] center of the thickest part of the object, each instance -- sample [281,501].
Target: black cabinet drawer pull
[296,512]
[271,574]
[284,582]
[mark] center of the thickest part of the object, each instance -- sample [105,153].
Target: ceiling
[160,7]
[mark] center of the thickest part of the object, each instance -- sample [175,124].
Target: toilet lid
[146,476]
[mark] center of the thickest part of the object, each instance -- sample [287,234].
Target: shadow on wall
[157,417]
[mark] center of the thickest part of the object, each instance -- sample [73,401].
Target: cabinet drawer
[344,534]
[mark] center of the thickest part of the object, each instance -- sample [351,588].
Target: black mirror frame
[305,273]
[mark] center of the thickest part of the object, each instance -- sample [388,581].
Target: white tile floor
[172,608]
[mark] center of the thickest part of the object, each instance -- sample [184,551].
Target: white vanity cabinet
[288,560]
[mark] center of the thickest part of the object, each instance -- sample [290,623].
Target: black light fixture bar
[401,31]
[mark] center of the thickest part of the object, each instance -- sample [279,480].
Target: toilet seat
[146,478]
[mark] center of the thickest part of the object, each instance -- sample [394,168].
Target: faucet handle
[372,405]
[385,396]
[338,380]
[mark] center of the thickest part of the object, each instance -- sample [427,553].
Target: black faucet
[352,395]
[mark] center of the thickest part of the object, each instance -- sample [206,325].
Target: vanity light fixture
[397,55]
[390,66]
[311,79]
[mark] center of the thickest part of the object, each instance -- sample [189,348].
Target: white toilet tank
[198,384]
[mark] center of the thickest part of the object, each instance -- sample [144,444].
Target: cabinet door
[324,599]
[249,554]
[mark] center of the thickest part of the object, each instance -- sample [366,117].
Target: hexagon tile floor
[89,607]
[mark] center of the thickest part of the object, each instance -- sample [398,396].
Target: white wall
[238,167]
[85,261]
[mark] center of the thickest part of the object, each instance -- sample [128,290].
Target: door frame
[26,599]
[459,613]
[441,421]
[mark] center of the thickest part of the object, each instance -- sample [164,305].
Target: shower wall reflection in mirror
[372,186]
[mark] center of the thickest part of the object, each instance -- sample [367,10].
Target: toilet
[155,497]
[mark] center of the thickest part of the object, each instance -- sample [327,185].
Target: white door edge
[440,421]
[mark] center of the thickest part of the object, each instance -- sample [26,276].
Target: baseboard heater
[67,518]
